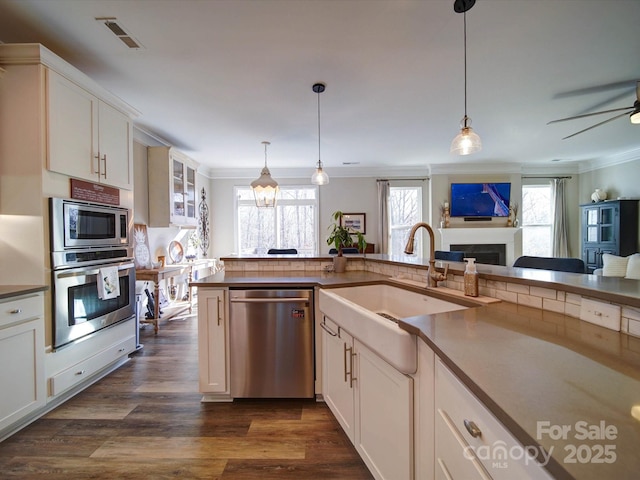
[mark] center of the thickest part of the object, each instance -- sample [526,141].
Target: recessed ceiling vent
[118,31]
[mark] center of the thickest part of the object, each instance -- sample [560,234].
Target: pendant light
[467,141]
[319,177]
[265,188]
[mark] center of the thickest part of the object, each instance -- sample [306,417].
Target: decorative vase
[598,196]
[339,264]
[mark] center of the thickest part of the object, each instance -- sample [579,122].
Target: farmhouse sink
[370,313]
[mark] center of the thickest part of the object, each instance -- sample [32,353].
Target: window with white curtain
[293,223]
[537,220]
[405,210]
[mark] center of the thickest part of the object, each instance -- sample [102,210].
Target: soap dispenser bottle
[470,278]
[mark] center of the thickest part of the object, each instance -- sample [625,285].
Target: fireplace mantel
[509,236]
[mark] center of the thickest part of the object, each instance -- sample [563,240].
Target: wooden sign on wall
[94,192]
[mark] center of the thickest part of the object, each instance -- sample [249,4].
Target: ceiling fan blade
[609,102]
[597,125]
[626,84]
[638,91]
[629,109]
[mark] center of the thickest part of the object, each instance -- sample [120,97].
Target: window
[405,210]
[537,220]
[293,223]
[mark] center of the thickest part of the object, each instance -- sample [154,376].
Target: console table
[157,275]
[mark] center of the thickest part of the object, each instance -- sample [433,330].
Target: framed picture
[355,221]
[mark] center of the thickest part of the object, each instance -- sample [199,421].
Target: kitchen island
[539,371]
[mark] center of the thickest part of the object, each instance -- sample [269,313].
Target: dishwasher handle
[270,300]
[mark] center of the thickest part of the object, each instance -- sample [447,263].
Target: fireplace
[489,253]
[494,245]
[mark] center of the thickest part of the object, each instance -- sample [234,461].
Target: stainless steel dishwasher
[271,343]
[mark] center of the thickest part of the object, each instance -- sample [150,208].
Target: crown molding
[148,138]
[38,54]
[334,172]
[474,168]
[618,159]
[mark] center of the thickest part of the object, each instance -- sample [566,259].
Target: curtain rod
[403,179]
[556,178]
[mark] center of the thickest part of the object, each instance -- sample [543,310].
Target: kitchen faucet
[432,275]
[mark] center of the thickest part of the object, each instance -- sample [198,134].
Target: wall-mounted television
[480,199]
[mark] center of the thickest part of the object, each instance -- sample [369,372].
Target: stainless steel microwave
[81,225]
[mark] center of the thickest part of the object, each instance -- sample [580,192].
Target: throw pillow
[614,266]
[633,266]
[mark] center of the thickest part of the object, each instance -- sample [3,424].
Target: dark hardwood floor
[146,421]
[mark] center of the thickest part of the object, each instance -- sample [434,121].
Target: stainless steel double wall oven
[86,240]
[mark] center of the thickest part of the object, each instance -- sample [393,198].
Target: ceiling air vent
[118,31]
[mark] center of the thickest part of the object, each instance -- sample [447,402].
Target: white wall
[621,180]
[359,195]
[349,195]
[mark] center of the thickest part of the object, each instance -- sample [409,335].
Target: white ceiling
[217,77]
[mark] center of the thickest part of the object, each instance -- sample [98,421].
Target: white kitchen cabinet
[338,375]
[371,400]
[70,369]
[470,442]
[87,368]
[87,137]
[172,187]
[22,377]
[213,343]
[384,418]
[423,418]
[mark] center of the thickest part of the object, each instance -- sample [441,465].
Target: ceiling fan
[633,111]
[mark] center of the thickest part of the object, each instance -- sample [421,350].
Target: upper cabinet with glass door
[172,188]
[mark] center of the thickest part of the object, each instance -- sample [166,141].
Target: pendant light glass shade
[467,141]
[265,189]
[319,177]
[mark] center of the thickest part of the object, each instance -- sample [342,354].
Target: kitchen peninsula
[528,360]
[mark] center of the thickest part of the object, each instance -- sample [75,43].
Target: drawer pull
[80,372]
[472,428]
[121,350]
[16,310]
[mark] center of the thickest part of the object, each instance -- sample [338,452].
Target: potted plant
[342,236]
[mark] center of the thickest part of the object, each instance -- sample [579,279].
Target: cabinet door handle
[344,357]
[352,378]
[472,428]
[218,306]
[104,160]
[97,169]
[348,373]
